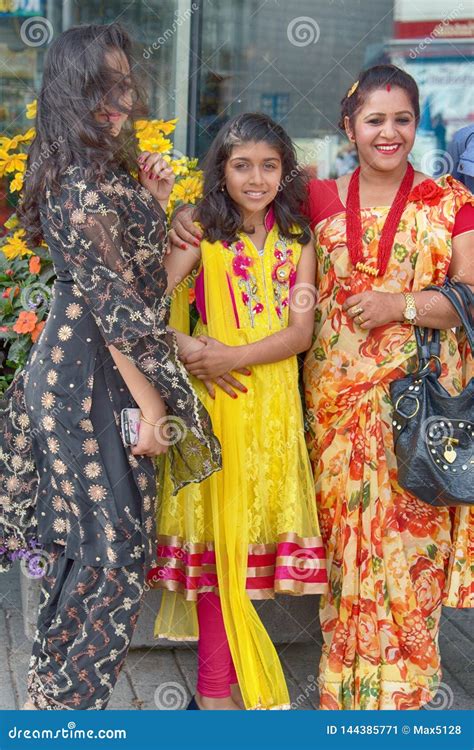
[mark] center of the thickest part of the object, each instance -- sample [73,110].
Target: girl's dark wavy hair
[219,216]
[379,77]
[76,82]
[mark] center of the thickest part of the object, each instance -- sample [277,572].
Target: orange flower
[37,330]
[26,322]
[35,264]
[7,291]
[192,296]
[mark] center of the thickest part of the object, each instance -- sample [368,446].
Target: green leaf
[355,500]
[366,495]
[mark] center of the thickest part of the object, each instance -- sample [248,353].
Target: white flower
[65,333]
[59,466]
[91,198]
[73,311]
[67,487]
[48,423]
[48,400]
[53,444]
[90,446]
[97,492]
[92,470]
[52,377]
[78,216]
[57,354]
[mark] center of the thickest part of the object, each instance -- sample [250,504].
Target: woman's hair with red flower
[385,77]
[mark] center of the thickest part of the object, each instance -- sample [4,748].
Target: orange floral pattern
[392,560]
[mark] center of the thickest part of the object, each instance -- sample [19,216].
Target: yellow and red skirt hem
[293,565]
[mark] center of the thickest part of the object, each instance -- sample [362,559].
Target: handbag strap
[461,298]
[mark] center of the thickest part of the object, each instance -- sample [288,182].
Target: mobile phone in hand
[130,425]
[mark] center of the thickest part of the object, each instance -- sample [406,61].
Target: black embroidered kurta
[65,476]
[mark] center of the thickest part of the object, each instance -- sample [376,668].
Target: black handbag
[434,431]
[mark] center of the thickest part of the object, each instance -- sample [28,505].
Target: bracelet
[144,419]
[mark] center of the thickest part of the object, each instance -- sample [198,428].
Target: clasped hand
[214,362]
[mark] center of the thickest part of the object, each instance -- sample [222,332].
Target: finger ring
[358,311]
[360,321]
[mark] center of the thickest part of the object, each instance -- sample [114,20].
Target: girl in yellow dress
[251,530]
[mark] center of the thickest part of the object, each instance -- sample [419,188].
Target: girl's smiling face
[252,177]
[384,129]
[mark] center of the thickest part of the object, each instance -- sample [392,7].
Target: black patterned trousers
[86,620]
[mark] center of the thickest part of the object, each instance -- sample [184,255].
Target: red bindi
[388,87]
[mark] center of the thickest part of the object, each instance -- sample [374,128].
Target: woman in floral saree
[392,560]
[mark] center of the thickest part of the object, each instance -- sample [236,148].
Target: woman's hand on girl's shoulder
[184,232]
[156,175]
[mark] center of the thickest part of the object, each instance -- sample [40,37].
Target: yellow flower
[31,110]
[179,166]
[11,162]
[163,126]
[16,183]
[188,190]
[155,143]
[11,222]
[22,138]
[15,246]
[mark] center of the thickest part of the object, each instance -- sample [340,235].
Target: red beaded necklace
[354,223]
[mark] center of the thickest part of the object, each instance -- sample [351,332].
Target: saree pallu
[392,560]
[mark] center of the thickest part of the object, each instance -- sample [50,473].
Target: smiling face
[384,129]
[252,177]
[116,61]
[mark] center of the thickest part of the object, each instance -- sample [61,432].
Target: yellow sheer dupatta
[256,661]
[255,658]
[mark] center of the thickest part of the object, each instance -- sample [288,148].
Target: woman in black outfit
[66,478]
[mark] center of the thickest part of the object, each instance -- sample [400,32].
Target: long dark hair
[219,216]
[379,77]
[76,82]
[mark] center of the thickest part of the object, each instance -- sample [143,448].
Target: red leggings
[216,670]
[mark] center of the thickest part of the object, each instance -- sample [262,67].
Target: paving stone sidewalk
[165,677]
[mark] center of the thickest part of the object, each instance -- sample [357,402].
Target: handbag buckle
[417,408]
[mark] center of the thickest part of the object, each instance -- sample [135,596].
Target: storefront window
[293,61]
